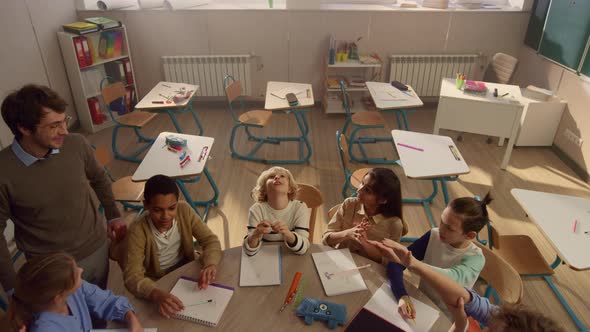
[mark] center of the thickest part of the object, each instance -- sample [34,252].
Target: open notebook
[262,269]
[381,312]
[203,306]
[338,272]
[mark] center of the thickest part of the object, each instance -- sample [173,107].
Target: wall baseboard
[580,171]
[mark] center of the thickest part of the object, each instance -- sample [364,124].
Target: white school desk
[160,100]
[436,162]
[402,106]
[481,113]
[257,308]
[554,215]
[159,160]
[275,101]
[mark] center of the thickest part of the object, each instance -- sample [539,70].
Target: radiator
[208,71]
[425,72]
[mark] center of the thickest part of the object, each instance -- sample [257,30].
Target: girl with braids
[51,296]
[447,250]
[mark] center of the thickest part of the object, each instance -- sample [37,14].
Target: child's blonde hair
[259,192]
[39,280]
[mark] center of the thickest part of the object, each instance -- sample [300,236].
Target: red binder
[95,114]
[128,99]
[86,49]
[128,73]
[80,52]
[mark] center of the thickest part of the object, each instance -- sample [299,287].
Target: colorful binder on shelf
[80,27]
[106,45]
[86,50]
[80,55]
[128,72]
[117,43]
[95,112]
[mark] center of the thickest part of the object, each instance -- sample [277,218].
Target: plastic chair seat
[522,253]
[126,190]
[256,117]
[368,118]
[136,119]
[358,175]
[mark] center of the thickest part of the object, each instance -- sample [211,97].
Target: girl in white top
[276,216]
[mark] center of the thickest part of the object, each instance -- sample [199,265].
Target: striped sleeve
[254,217]
[301,230]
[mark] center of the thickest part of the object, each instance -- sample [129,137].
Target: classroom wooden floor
[529,168]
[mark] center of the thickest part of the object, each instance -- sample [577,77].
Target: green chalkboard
[537,21]
[566,32]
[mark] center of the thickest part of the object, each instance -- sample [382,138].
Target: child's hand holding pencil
[406,309]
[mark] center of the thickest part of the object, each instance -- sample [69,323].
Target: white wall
[575,89]
[29,52]
[291,45]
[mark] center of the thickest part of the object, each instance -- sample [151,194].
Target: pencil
[409,307]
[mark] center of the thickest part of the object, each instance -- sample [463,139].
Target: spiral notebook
[203,306]
[262,269]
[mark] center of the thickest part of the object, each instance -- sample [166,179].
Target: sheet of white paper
[384,305]
[335,261]
[262,269]
[283,92]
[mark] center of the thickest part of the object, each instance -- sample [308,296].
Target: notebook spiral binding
[195,320]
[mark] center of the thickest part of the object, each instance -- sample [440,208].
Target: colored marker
[157,102]
[575,224]
[454,152]
[199,303]
[410,147]
[292,291]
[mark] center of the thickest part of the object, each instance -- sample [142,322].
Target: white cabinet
[85,79]
[539,121]
[351,70]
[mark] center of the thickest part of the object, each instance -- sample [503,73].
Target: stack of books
[80,28]
[103,22]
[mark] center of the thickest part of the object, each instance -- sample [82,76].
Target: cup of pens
[460,81]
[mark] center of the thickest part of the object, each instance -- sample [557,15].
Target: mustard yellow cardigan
[142,265]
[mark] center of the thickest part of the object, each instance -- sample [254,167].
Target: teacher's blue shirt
[87,299]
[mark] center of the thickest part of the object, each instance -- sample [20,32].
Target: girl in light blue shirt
[50,295]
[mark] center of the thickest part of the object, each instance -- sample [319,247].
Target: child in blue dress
[50,295]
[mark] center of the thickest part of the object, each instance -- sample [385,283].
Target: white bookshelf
[85,82]
[332,101]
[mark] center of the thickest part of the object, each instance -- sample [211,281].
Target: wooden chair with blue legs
[504,284]
[521,252]
[113,94]
[352,179]
[125,191]
[362,121]
[312,197]
[246,120]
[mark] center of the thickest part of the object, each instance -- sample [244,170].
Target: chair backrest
[501,69]
[342,142]
[312,197]
[493,237]
[333,211]
[499,274]
[233,91]
[112,92]
[346,99]
[103,155]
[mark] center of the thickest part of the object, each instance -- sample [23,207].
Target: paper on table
[262,269]
[335,261]
[388,96]
[384,305]
[283,92]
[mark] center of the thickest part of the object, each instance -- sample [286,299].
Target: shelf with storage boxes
[354,74]
[89,58]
